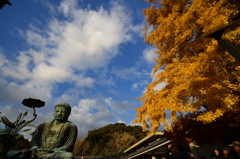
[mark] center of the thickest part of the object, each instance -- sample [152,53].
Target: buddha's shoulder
[71,124]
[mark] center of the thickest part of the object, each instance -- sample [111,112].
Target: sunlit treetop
[201,77]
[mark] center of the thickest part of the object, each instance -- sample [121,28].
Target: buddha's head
[62,111]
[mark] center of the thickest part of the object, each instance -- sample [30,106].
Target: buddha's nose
[60,112]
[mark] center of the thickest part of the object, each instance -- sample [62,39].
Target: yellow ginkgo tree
[201,78]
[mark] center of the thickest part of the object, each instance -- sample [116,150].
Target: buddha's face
[61,113]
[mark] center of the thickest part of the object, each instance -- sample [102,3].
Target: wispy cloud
[64,49]
[70,57]
[149,55]
[135,86]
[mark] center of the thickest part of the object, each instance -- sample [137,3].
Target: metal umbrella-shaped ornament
[31,103]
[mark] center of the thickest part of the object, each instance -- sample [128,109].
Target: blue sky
[88,53]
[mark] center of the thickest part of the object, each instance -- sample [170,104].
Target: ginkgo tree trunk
[203,78]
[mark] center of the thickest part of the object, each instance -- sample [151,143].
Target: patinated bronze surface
[55,139]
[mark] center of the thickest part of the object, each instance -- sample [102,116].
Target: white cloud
[83,81]
[17,71]
[160,86]
[65,49]
[121,121]
[91,38]
[67,7]
[104,79]
[149,55]
[141,83]
[123,106]
[34,38]
[66,98]
[44,73]
[17,92]
[105,111]
[88,114]
[2,58]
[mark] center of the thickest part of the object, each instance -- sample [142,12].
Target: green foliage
[99,138]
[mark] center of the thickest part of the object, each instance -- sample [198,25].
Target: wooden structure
[152,146]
